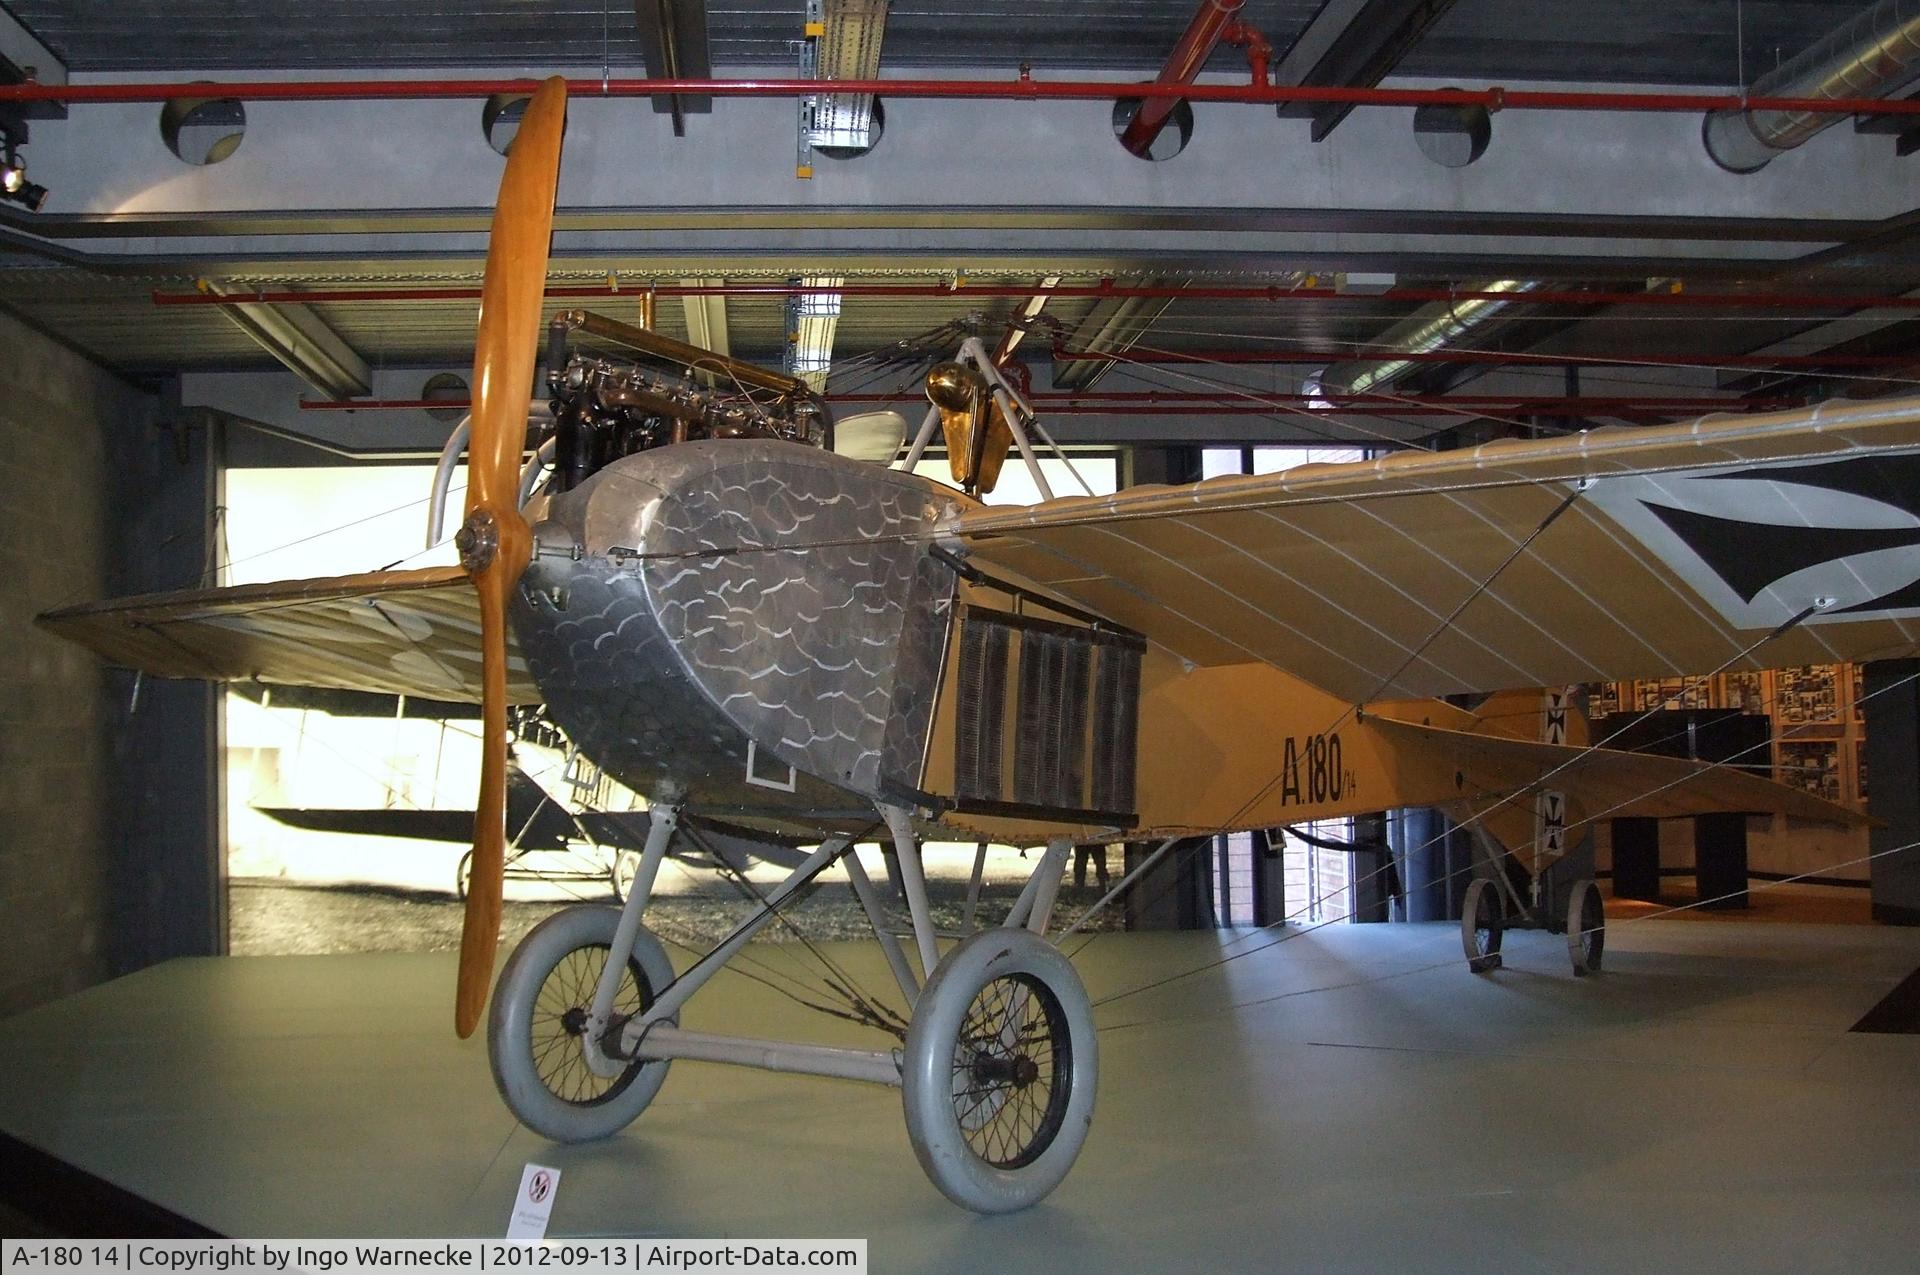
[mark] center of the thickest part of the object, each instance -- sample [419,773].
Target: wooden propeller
[495,542]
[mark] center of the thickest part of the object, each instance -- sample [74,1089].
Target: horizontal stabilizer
[1605,783]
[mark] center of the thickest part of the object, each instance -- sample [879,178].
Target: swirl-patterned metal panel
[755,624]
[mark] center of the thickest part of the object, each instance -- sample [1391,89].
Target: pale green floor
[1351,1100]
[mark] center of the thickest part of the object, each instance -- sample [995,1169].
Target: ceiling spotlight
[15,187]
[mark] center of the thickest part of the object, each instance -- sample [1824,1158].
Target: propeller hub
[478,540]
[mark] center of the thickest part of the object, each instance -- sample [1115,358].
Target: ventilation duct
[1427,329]
[1874,55]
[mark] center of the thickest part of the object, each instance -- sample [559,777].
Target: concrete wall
[92,498]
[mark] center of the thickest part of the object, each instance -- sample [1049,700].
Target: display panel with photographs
[1818,719]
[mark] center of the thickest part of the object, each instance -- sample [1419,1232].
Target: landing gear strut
[1000,1062]
[1494,905]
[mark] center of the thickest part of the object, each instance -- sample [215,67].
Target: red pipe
[1494,98]
[1218,403]
[1491,356]
[1680,300]
[1259,52]
[1542,402]
[1379,409]
[1190,53]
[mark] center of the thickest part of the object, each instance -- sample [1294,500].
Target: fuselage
[774,634]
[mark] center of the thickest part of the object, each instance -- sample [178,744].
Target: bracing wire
[1354,884]
[1536,785]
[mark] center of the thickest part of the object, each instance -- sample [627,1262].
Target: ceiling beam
[304,344]
[1627,186]
[1351,44]
[673,40]
[22,57]
[1867,334]
[1111,327]
[1029,310]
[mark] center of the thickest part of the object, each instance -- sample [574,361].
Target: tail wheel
[463,875]
[536,1033]
[1482,923]
[999,1072]
[1586,928]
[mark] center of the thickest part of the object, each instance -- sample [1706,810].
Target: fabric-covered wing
[394,632]
[1602,556]
[1613,785]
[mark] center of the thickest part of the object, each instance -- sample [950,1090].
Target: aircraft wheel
[1482,922]
[463,875]
[1000,1070]
[1586,928]
[626,866]
[543,998]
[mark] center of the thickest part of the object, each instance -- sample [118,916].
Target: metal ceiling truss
[1122,270]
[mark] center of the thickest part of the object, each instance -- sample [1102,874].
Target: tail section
[1537,826]
[1554,716]
[1527,771]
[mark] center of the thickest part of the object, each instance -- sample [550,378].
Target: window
[1233,898]
[1271,460]
[1215,461]
[1016,485]
[1319,880]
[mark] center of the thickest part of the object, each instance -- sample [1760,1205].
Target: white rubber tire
[1482,904]
[510,1028]
[927,1089]
[1586,911]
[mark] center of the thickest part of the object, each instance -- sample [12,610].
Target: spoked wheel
[626,866]
[1482,923]
[463,875]
[1000,1071]
[1586,928]
[536,1034]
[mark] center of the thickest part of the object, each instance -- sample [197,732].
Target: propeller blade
[495,542]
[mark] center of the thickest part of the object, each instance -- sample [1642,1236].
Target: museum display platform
[1352,1099]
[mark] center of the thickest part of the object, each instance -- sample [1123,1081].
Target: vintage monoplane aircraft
[747,627]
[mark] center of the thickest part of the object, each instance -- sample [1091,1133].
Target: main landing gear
[997,1073]
[1494,905]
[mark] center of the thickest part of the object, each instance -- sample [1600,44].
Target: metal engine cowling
[742,623]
